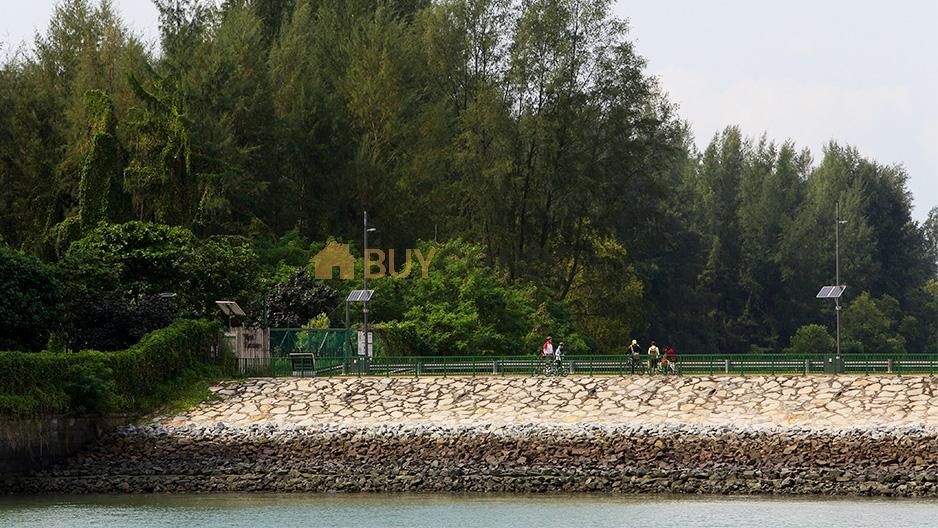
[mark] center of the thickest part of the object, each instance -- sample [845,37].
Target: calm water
[462,511]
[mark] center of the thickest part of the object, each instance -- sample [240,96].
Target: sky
[863,73]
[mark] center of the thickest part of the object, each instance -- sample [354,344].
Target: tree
[812,339]
[30,307]
[462,307]
[141,259]
[113,321]
[870,325]
[298,299]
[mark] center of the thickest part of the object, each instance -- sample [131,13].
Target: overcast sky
[864,73]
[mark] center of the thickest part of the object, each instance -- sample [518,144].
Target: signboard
[361,343]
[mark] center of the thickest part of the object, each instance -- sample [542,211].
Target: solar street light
[837,290]
[231,309]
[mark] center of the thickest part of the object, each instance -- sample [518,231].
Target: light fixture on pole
[365,267]
[837,290]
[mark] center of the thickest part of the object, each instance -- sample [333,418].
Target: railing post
[726,366]
[807,366]
[889,366]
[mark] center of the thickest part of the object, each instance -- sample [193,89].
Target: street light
[837,290]
[365,231]
[837,278]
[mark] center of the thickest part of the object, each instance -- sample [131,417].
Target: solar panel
[230,308]
[831,292]
[359,296]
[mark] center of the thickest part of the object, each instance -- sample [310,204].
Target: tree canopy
[527,137]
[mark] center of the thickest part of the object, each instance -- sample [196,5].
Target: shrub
[462,307]
[98,382]
[812,339]
[114,322]
[30,301]
[299,299]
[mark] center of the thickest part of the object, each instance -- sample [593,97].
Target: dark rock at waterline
[512,458]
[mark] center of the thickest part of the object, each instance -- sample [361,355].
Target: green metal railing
[609,365]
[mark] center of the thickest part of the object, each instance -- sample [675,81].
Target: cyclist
[558,359]
[547,353]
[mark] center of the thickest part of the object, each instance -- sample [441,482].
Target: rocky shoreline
[531,458]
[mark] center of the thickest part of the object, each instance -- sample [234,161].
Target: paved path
[816,401]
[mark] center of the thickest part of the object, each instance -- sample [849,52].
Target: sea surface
[461,511]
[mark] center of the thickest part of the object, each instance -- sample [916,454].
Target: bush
[812,339]
[114,322]
[462,307]
[98,382]
[297,300]
[30,302]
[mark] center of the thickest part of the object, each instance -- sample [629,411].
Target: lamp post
[365,231]
[837,271]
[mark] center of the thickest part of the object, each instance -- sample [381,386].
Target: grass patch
[184,392]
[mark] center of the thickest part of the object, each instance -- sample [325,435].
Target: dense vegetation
[526,135]
[132,380]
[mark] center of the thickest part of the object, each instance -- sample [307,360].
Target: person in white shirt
[548,350]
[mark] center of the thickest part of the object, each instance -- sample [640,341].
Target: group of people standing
[657,362]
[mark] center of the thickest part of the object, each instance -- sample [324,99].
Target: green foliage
[100,194]
[140,258]
[460,308]
[871,325]
[812,339]
[30,302]
[307,339]
[298,299]
[465,120]
[113,321]
[98,382]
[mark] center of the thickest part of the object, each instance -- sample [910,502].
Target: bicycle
[552,367]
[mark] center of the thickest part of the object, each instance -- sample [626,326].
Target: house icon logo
[334,255]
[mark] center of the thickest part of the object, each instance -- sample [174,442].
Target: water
[462,511]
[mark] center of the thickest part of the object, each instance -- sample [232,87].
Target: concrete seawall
[828,435]
[32,443]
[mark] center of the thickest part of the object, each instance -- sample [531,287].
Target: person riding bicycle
[547,353]
[558,358]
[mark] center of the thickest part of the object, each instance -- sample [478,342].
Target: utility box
[834,364]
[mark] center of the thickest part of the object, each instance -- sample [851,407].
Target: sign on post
[361,344]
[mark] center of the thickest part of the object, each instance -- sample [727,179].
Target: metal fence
[309,364]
